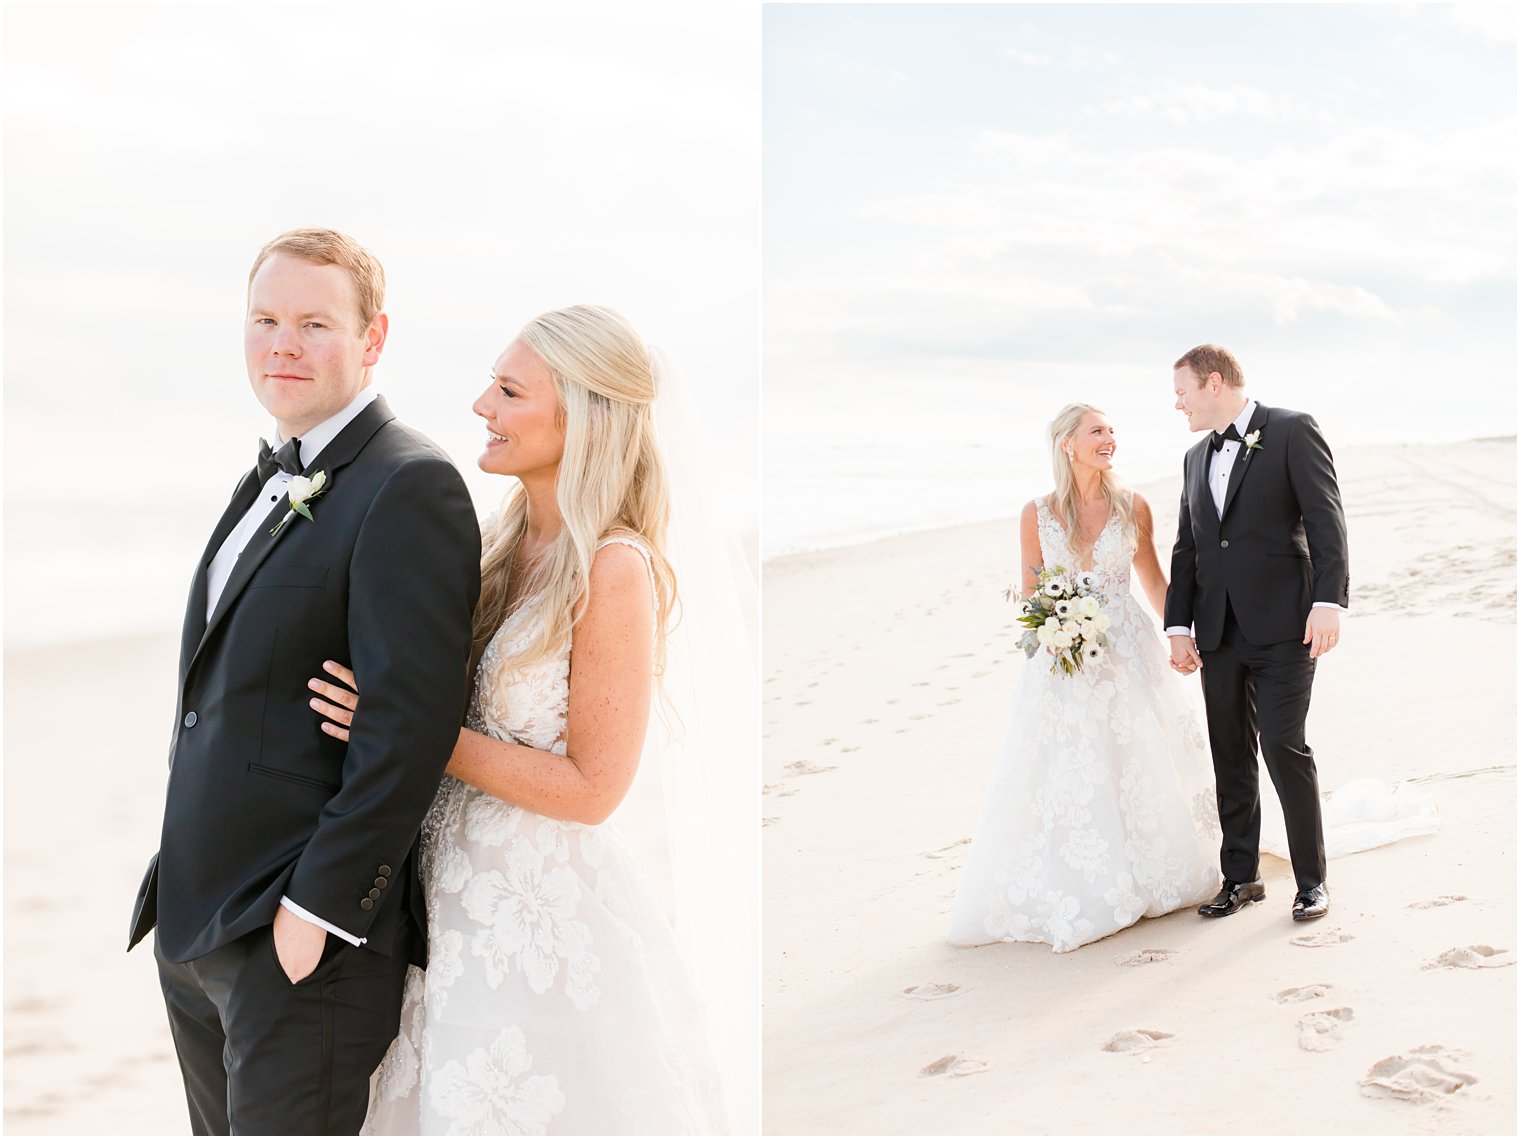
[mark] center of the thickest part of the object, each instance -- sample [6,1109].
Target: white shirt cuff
[1178,631]
[1328,605]
[315,920]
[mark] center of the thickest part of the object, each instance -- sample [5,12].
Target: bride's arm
[1029,548]
[1147,567]
[611,678]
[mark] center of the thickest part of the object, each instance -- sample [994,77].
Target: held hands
[344,702]
[1185,658]
[298,944]
[1323,630]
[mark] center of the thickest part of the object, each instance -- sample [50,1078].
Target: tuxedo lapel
[1200,502]
[336,455]
[1242,460]
[195,611]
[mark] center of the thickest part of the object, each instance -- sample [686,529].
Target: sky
[977,213]
[499,160]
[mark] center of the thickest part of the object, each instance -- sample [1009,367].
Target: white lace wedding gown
[554,1001]
[1102,808]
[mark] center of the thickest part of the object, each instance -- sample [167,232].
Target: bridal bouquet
[1064,616]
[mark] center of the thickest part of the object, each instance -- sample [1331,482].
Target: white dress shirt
[1221,463]
[226,557]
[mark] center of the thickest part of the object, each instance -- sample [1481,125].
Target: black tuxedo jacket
[261,802]
[1279,546]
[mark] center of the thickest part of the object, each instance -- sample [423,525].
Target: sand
[886,677]
[87,1047]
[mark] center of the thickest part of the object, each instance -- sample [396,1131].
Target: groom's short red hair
[329,247]
[1208,358]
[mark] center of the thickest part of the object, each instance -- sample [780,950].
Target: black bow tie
[1220,436]
[287,459]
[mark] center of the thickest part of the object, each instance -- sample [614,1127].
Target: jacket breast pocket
[289,577]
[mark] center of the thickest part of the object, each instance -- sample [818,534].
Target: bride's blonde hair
[1119,499]
[611,480]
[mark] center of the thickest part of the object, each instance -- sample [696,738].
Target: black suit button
[384,871]
[366,904]
[190,718]
[380,882]
[1224,544]
[374,893]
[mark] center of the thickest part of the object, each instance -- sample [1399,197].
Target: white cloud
[1179,102]
[1027,58]
[1491,21]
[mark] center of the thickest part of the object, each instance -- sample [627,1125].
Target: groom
[1259,575]
[284,887]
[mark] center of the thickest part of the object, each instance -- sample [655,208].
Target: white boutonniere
[1252,441]
[302,491]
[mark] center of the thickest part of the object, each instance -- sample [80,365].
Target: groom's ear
[374,339]
[1215,382]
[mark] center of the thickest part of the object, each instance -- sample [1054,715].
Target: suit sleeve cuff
[315,920]
[1178,631]
[1328,605]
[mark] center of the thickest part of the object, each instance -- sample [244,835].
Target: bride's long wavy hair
[611,480]
[1120,500]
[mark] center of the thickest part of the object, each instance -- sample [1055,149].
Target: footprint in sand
[1302,993]
[870,720]
[1443,900]
[947,848]
[979,675]
[807,767]
[1145,956]
[1136,1040]
[1321,1031]
[953,1065]
[765,822]
[931,992]
[920,716]
[827,740]
[1317,940]
[1472,957]
[1428,1072]
[952,700]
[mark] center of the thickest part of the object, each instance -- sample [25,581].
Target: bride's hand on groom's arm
[340,703]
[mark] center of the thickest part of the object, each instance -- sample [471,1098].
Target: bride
[554,999]
[1102,808]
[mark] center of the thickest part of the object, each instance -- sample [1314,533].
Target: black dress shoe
[1233,896]
[1311,904]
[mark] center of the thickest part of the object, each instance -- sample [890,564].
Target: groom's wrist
[1178,631]
[315,920]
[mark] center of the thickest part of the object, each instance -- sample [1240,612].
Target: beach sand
[87,1047]
[887,673]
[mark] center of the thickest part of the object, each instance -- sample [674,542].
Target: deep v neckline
[1066,534]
